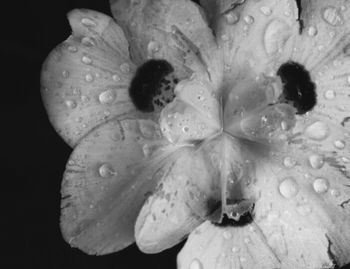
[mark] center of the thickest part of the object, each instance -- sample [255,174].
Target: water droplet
[232,17]
[289,162]
[339,144]
[288,188]
[321,185]
[345,159]
[86,60]
[284,125]
[234,249]
[335,193]
[332,16]
[88,22]
[115,77]
[227,234]
[72,49]
[87,41]
[247,240]
[196,264]
[304,210]
[70,104]
[329,94]
[317,131]
[89,78]
[65,73]
[312,31]
[106,170]
[266,10]
[248,19]
[185,129]
[316,161]
[107,97]
[153,47]
[147,150]
[225,38]
[125,68]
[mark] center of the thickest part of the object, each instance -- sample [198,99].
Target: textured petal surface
[182,200]
[256,36]
[323,47]
[173,30]
[85,79]
[107,179]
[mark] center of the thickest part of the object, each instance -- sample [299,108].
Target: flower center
[153,85]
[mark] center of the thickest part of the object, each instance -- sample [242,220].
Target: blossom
[227,122]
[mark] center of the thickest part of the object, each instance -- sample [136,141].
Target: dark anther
[298,89]
[146,87]
[243,220]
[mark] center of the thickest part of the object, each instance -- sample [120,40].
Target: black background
[34,155]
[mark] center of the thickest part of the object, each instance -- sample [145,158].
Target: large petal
[255,36]
[175,30]
[300,219]
[107,179]
[184,198]
[85,79]
[323,48]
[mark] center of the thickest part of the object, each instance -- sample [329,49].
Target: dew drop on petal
[107,97]
[232,17]
[288,188]
[86,60]
[317,131]
[321,185]
[70,104]
[65,73]
[329,94]
[316,161]
[289,162]
[88,22]
[125,68]
[335,193]
[312,31]
[115,77]
[87,41]
[235,249]
[89,78]
[248,19]
[266,10]
[226,234]
[196,264]
[152,47]
[72,49]
[106,170]
[304,210]
[332,16]
[339,144]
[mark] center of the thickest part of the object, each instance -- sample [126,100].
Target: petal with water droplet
[182,200]
[106,181]
[80,72]
[173,30]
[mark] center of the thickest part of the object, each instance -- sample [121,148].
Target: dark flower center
[298,88]
[153,85]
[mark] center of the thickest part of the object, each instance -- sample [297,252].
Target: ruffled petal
[255,36]
[183,199]
[300,219]
[85,80]
[193,115]
[107,179]
[323,48]
[173,30]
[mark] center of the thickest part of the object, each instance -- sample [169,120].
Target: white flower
[227,122]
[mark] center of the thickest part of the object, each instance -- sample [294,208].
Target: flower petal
[255,35]
[184,198]
[85,80]
[211,246]
[323,48]
[107,179]
[173,30]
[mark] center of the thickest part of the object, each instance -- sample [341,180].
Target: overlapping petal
[108,177]
[184,198]
[173,30]
[85,79]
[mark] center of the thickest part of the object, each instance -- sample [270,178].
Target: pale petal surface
[85,79]
[102,192]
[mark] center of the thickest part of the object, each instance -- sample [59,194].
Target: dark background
[35,156]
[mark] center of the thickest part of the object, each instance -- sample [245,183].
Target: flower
[227,122]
